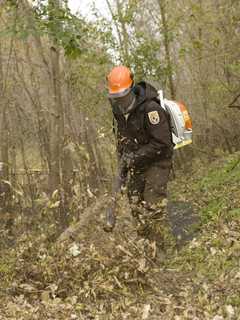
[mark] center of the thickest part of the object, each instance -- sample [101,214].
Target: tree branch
[231,105]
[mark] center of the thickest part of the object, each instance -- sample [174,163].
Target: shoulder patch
[154,117]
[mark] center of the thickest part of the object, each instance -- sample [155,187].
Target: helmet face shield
[124,104]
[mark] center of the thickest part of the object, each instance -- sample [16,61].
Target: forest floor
[89,274]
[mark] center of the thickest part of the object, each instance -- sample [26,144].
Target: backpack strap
[160,94]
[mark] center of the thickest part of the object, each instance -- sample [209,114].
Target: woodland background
[57,145]
[57,162]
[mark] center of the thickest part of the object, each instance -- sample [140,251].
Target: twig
[234,107]
[231,105]
[234,165]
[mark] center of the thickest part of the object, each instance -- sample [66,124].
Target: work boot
[155,226]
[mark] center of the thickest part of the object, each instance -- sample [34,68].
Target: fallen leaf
[45,296]
[146,310]
[230,311]
[74,250]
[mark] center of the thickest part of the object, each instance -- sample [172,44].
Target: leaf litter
[90,274]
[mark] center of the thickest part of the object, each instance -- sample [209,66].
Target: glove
[128,159]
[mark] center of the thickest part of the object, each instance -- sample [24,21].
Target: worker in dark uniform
[144,143]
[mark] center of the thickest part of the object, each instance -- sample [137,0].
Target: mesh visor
[123,104]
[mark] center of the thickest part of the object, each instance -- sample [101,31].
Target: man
[145,147]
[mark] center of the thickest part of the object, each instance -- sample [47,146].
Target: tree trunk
[180,156]
[4,127]
[162,6]
[125,37]
[57,125]
[122,34]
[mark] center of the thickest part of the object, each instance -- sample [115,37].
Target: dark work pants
[147,192]
[149,186]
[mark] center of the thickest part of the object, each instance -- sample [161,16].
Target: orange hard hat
[120,81]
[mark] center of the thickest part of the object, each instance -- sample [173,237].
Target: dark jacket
[149,141]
